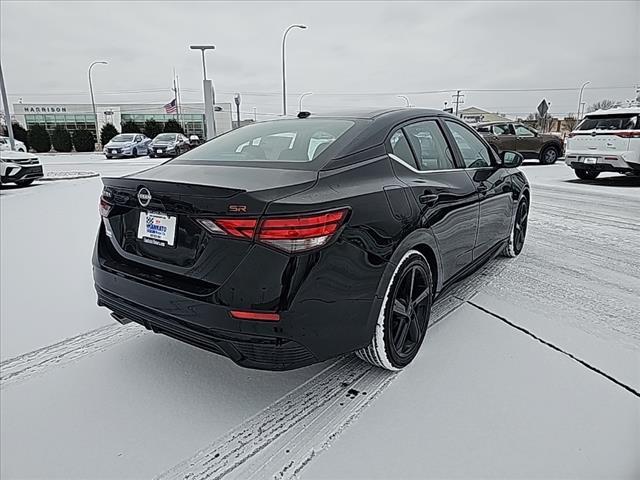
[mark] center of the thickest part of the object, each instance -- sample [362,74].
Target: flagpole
[180,117]
[175,96]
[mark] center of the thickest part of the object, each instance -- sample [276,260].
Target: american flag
[171,107]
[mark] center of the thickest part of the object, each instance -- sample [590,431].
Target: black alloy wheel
[408,315]
[403,321]
[519,230]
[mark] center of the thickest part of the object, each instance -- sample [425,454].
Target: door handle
[428,198]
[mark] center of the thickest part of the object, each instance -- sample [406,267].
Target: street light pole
[236,99]
[7,115]
[300,101]
[207,89]
[93,101]
[406,99]
[580,99]
[284,71]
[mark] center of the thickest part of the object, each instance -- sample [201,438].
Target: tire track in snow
[39,361]
[279,441]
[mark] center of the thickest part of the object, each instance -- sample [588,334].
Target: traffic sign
[543,108]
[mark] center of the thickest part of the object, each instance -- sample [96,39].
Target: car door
[492,182]
[505,137]
[445,195]
[527,141]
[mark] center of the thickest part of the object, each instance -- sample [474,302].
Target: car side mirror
[512,159]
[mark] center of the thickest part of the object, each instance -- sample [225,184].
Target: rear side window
[610,122]
[300,140]
[400,148]
[429,145]
[474,153]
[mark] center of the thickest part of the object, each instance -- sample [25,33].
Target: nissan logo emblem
[144,197]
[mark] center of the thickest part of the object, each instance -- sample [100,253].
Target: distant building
[76,116]
[474,115]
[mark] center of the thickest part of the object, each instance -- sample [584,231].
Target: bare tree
[602,105]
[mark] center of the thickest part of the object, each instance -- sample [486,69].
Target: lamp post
[284,70]
[236,98]
[301,98]
[93,101]
[208,93]
[406,99]
[580,99]
[7,115]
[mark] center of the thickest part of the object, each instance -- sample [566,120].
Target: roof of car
[616,111]
[372,113]
[486,124]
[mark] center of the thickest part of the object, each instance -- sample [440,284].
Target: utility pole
[284,68]
[459,99]
[255,114]
[7,115]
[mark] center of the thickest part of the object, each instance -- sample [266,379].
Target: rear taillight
[629,134]
[295,234]
[291,234]
[104,207]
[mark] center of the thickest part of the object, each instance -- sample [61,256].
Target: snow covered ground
[530,369]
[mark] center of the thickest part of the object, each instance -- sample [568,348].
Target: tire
[549,155]
[518,231]
[134,152]
[586,174]
[21,150]
[151,155]
[24,183]
[109,157]
[400,331]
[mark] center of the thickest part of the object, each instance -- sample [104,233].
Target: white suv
[605,141]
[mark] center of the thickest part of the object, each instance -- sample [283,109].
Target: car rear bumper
[14,172]
[312,327]
[623,162]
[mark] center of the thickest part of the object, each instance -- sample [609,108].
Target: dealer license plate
[589,160]
[157,228]
[114,151]
[159,150]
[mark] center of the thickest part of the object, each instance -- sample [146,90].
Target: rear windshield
[300,140]
[610,122]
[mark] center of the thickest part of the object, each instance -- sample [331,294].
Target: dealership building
[74,116]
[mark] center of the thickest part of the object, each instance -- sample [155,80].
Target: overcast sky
[350,50]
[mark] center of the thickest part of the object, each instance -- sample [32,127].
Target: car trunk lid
[187,193]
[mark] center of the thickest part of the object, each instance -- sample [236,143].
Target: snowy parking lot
[531,367]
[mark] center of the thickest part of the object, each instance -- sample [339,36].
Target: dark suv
[505,136]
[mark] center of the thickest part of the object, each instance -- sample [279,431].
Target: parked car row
[136,144]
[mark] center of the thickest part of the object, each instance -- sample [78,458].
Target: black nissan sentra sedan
[289,242]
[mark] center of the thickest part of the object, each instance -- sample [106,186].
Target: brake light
[295,234]
[291,234]
[629,134]
[104,207]
[249,315]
